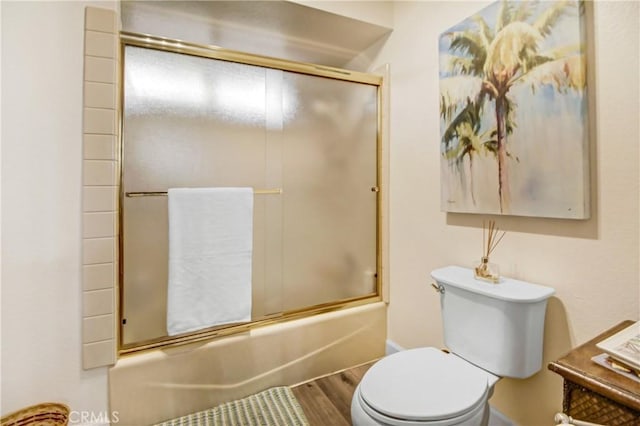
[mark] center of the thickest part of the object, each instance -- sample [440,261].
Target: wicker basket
[583,404]
[45,414]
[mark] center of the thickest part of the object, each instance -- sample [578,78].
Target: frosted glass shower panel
[329,172]
[188,122]
[311,142]
[192,121]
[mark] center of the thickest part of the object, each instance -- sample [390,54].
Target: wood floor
[327,401]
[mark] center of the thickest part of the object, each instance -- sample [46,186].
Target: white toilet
[491,331]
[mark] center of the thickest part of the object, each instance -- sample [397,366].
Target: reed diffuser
[486,270]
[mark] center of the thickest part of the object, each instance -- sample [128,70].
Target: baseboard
[392,347]
[496,418]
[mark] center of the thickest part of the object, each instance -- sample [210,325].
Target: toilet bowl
[423,386]
[491,330]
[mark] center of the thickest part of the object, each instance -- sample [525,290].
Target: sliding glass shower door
[329,171]
[306,144]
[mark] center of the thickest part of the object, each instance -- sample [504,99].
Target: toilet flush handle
[438,287]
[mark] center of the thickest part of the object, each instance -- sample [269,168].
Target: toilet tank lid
[506,289]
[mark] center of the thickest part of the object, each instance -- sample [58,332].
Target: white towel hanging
[210,257]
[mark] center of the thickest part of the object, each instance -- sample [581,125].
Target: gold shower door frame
[212,52]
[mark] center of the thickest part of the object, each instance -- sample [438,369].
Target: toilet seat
[423,386]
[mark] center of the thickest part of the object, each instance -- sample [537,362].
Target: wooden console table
[593,393]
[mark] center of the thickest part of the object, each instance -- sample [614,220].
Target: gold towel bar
[164,193]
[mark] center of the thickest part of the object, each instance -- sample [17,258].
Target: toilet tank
[498,327]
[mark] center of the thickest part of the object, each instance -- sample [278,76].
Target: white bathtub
[162,384]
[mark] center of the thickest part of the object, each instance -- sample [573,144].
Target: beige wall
[42,54]
[592,264]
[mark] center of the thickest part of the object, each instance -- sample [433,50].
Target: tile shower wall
[100,188]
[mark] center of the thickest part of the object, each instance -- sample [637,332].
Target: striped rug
[272,407]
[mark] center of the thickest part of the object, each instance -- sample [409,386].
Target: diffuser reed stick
[491,237]
[492,241]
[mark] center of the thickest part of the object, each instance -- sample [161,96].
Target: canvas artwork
[513,111]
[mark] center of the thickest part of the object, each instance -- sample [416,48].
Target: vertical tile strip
[100,183]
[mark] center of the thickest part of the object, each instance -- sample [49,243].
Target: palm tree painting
[513,111]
